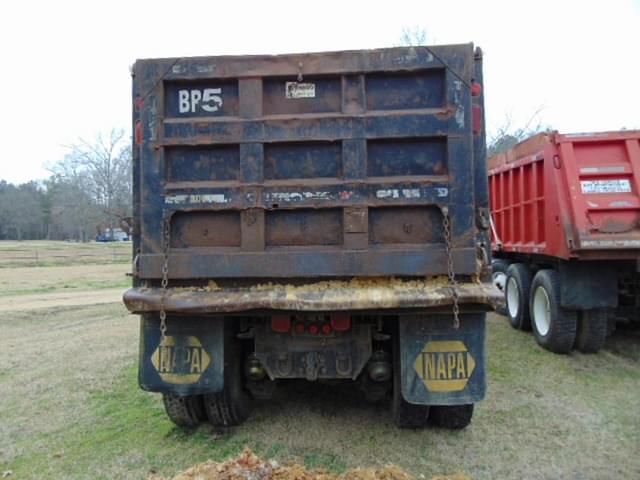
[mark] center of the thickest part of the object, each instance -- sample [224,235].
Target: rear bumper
[357,294]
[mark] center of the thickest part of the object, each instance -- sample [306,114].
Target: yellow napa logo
[180,360]
[444,366]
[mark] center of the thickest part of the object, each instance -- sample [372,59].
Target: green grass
[41,280]
[63,262]
[44,253]
[545,415]
[129,430]
[78,285]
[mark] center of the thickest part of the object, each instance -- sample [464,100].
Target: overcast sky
[64,70]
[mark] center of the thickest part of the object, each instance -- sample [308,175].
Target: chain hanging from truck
[166,243]
[453,284]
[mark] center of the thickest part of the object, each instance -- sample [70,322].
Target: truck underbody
[394,339]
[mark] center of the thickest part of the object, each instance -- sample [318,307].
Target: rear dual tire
[452,417]
[517,292]
[499,276]
[227,408]
[230,407]
[533,303]
[186,412]
[591,331]
[554,327]
[233,405]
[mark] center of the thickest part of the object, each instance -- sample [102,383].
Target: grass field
[70,407]
[43,253]
[32,280]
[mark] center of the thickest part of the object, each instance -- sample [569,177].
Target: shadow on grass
[625,341]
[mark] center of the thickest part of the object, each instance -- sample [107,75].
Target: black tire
[405,414]
[453,417]
[517,290]
[553,326]
[591,331]
[499,269]
[186,411]
[233,405]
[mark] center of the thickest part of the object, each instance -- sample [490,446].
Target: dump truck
[320,216]
[566,236]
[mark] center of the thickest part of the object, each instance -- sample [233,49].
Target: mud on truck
[317,216]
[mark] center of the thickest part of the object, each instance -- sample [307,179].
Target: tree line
[88,191]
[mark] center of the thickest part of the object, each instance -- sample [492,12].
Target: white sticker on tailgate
[300,90]
[621,185]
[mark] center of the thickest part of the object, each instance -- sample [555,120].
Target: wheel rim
[541,311]
[500,280]
[512,297]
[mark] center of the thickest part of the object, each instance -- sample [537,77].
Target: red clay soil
[248,466]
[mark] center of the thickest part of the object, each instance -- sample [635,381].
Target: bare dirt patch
[60,299]
[248,466]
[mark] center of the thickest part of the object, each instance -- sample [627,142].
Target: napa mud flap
[188,361]
[441,365]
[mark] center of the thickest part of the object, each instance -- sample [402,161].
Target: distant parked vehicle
[567,235]
[118,235]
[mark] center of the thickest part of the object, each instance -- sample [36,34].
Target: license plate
[606,186]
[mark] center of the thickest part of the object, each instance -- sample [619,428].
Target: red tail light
[326,329]
[313,329]
[138,133]
[299,327]
[340,322]
[281,323]
[476,89]
[477,118]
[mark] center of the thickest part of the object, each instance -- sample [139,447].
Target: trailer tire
[405,414]
[499,276]
[233,405]
[227,408]
[554,327]
[517,291]
[187,412]
[453,417]
[592,330]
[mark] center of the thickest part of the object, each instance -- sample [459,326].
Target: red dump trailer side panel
[568,196]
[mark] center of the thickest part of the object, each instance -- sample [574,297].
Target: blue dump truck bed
[284,193]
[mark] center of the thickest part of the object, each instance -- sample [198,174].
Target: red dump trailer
[566,235]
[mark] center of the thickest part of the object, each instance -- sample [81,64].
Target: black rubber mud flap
[441,365]
[190,359]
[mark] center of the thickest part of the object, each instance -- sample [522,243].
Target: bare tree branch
[506,135]
[101,169]
[413,36]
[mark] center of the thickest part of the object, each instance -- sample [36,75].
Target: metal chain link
[166,243]
[453,284]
